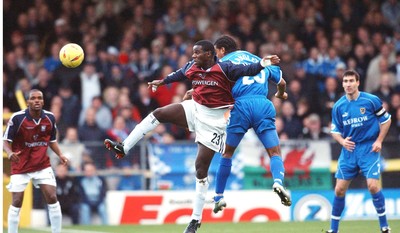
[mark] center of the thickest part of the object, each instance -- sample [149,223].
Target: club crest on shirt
[43,128]
[362,110]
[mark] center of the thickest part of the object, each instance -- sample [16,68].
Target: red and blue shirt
[32,138]
[213,87]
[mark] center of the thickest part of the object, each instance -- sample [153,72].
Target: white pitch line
[48,229]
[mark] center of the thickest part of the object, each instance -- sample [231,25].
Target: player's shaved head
[34,91]
[206,45]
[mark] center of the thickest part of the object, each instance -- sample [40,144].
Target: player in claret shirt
[205,114]
[359,124]
[28,135]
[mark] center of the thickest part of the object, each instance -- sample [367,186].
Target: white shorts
[209,124]
[18,182]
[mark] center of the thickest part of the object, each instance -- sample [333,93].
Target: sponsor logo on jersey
[345,114]
[35,144]
[356,121]
[43,128]
[205,82]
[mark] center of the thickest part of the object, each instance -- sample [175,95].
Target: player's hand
[14,156]
[284,96]
[63,160]
[349,145]
[155,84]
[377,146]
[188,95]
[274,59]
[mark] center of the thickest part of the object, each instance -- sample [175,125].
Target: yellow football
[71,55]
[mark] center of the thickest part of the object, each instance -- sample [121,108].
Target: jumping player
[252,109]
[205,114]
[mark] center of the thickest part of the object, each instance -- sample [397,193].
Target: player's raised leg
[173,113]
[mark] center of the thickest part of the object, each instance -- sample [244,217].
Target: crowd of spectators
[128,43]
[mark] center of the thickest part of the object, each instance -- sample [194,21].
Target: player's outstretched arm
[155,84]
[270,60]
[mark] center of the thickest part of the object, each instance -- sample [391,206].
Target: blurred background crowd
[128,43]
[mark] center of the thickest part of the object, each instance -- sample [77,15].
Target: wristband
[265,62]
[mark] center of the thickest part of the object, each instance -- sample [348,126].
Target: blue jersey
[252,85]
[359,118]
[252,109]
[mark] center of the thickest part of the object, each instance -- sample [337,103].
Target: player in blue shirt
[252,109]
[359,124]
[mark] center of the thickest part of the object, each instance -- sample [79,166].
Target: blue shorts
[255,112]
[362,159]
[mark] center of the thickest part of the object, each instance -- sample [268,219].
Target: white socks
[13,219]
[200,198]
[55,217]
[146,125]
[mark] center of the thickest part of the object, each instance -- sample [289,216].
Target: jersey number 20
[259,78]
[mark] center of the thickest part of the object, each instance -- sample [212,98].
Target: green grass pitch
[273,227]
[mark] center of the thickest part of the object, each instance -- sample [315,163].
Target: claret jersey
[32,138]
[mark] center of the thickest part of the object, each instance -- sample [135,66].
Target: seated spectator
[164,93]
[124,101]
[52,62]
[67,193]
[128,181]
[71,106]
[143,101]
[313,129]
[279,124]
[92,135]
[72,148]
[92,190]
[103,113]
[386,87]
[161,135]
[292,123]
[327,99]
[126,113]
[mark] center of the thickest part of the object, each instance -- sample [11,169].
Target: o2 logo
[312,207]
